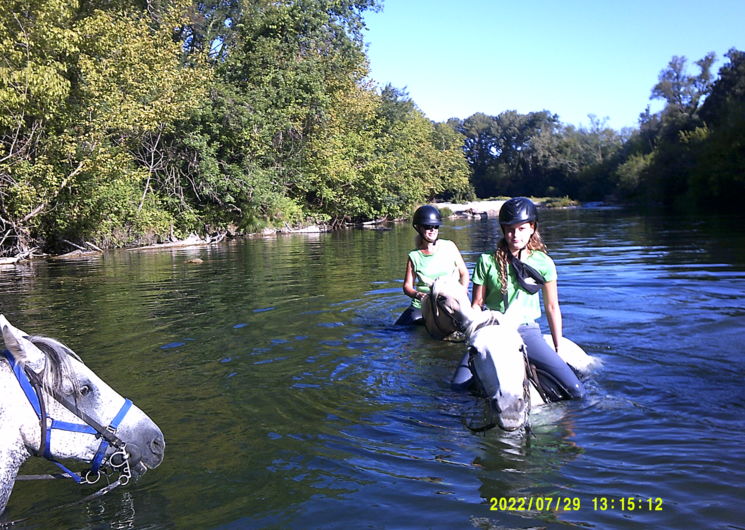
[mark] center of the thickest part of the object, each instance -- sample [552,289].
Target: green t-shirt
[429,267]
[528,305]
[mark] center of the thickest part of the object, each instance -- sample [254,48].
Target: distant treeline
[126,121]
[692,153]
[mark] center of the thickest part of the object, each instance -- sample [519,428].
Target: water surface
[289,400]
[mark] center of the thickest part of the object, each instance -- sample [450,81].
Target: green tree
[91,90]
[281,69]
[344,179]
[449,164]
[37,44]
[480,148]
[665,179]
[682,91]
[512,153]
[378,156]
[718,177]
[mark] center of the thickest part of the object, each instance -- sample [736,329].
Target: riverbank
[488,208]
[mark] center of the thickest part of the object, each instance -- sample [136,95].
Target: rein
[103,491]
[31,385]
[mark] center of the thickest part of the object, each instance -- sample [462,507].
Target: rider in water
[512,277]
[431,259]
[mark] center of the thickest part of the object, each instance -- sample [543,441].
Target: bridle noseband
[31,385]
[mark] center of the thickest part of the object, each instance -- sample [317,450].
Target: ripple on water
[288,398]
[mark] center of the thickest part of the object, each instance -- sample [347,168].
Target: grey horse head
[498,361]
[72,394]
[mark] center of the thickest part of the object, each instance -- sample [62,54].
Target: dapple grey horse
[495,361]
[54,406]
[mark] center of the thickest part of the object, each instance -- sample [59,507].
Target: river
[288,399]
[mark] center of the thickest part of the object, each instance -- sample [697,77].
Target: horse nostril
[158,445]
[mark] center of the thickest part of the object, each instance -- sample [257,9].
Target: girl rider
[432,258]
[512,277]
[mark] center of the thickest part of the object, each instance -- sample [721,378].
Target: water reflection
[288,399]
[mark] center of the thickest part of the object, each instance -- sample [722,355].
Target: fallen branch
[220,237]
[94,247]
[74,245]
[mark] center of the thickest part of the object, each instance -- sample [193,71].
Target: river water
[288,399]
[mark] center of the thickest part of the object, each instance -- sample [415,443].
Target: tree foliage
[534,154]
[83,95]
[125,121]
[128,121]
[692,151]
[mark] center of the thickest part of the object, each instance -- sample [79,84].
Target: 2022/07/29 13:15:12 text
[558,504]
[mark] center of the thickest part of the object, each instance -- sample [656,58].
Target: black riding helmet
[427,215]
[518,210]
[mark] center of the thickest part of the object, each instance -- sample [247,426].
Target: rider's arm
[461,266]
[553,311]
[409,289]
[477,297]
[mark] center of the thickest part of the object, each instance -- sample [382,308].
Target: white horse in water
[496,361]
[54,406]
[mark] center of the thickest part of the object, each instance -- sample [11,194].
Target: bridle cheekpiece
[32,386]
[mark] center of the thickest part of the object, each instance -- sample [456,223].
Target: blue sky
[571,57]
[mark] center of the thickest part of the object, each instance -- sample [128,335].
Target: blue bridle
[31,385]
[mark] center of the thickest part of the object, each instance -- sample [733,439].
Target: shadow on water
[288,399]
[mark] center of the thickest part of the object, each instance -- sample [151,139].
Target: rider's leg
[412,315]
[462,378]
[557,378]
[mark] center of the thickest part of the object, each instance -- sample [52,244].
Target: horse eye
[85,390]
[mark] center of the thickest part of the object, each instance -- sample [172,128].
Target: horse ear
[17,343]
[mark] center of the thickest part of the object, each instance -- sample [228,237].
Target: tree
[90,91]
[378,156]
[665,178]
[681,91]
[508,153]
[726,99]
[718,178]
[480,148]
[692,151]
[36,43]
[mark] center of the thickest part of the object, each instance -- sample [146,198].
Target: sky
[570,57]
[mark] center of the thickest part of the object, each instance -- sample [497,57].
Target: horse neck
[17,416]
[508,357]
[10,463]
[475,318]
[13,452]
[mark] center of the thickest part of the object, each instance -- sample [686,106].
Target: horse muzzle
[511,411]
[145,453]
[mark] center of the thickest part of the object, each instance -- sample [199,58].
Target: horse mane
[58,367]
[447,284]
